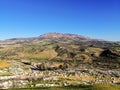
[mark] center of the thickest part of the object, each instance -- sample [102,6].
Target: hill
[71,59]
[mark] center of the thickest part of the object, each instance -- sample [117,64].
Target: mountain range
[60,37]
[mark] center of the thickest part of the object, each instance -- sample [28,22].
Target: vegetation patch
[78,87]
[4,64]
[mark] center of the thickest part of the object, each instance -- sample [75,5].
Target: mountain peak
[63,36]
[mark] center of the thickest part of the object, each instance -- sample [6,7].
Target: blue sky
[29,18]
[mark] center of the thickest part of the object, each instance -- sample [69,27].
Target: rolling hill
[56,59]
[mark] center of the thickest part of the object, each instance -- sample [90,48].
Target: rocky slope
[65,58]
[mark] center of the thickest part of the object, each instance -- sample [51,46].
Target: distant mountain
[55,37]
[60,38]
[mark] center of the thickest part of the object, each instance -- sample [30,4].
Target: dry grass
[5,74]
[105,87]
[3,64]
[93,49]
[97,51]
[82,77]
[47,54]
[82,57]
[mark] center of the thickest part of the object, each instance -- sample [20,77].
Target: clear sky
[29,18]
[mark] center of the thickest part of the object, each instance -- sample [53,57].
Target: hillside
[77,59]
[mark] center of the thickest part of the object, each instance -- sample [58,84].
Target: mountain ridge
[59,38]
[55,34]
